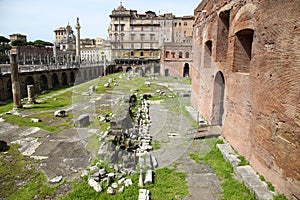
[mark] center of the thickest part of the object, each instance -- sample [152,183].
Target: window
[132,36]
[187,54]
[179,24]
[184,33]
[132,46]
[142,28]
[167,54]
[184,23]
[152,37]
[142,36]
[242,54]
[122,36]
[132,53]
[222,36]
[173,54]
[142,45]
[180,54]
[141,53]
[207,53]
[116,27]
[122,27]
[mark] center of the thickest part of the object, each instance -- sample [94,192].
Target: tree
[4,40]
[18,43]
[4,48]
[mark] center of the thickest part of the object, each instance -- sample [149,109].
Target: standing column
[77,26]
[15,79]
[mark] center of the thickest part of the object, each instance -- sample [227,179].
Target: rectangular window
[184,23]
[132,36]
[122,27]
[152,37]
[142,36]
[116,27]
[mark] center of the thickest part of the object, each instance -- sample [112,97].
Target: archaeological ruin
[246,69]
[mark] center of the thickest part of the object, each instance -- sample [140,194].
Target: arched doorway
[120,69]
[186,70]
[64,79]
[167,72]
[54,80]
[140,71]
[128,69]
[218,99]
[29,81]
[43,83]
[72,74]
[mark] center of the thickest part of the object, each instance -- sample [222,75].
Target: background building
[141,39]
[176,56]
[64,45]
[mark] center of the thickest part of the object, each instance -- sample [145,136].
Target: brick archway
[218,99]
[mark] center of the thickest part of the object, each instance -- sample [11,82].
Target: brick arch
[64,78]
[54,80]
[72,77]
[43,83]
[139,70]
[244,18]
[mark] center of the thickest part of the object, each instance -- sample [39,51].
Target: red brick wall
[262,81]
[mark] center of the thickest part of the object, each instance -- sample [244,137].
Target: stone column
[30,92]
[15,79]
[77,26]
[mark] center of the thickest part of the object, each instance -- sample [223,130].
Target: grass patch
[53,103]
[156,145]
[19,179]
[169,184]
[243,162]
[17,120]
[280,197]
[271,186]
[232,188]
[5,108]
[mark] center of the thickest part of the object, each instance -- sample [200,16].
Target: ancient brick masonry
[246,77]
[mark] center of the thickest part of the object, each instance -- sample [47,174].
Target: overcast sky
[39,18]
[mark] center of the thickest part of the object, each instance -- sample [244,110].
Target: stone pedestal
[30,93]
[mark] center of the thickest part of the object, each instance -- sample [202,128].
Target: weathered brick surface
[255,45]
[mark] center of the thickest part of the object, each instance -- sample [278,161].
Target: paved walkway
[170,129]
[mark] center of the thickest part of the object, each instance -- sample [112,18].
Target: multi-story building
[134,37]
[18,36]
[30,54]
[95,50]
[145,38]
[64,45]
[176,56]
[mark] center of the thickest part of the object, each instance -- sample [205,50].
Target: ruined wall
[246,61]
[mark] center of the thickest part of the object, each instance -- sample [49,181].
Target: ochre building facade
[246,78]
